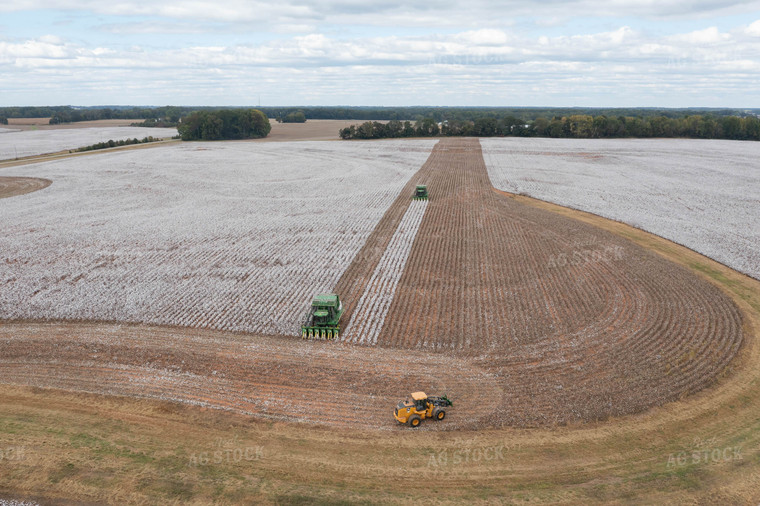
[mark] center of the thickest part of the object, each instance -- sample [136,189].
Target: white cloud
[754,29]
[709,35]
[475,13]
[481,55]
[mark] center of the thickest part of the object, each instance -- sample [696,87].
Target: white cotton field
[234,235]
[375,302]
[20,143]
[704,194]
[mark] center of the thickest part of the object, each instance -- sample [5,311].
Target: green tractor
[323,320]
[420,193]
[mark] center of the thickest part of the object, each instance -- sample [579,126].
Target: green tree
[224,124]
[426,127]
[485,127]
[394,128]
[541,127]
[581,126]
[295,117]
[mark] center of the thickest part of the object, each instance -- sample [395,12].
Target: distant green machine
[420,193]
[324,318]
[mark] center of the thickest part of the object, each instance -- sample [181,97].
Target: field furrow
[699,193]
[577,324]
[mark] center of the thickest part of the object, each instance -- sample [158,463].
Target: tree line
[112,143]
[577,126]
[168,114]
[441,114]
[224,124]
[291,117]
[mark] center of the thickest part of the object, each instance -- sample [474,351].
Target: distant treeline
[440,114]
[172,114]
[292,117]
[577,126]
[167,114]
[112,143]
[224,124]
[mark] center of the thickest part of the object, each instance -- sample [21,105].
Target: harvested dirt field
[12,186]
[269,377]
[312,130]
[578,324]
[44,124]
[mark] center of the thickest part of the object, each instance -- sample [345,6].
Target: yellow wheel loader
[419,407]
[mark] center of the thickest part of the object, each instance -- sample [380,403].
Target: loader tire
[414,421]
[439,414]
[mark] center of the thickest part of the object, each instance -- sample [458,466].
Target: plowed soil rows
[578,324]
[280,378]
[13,186]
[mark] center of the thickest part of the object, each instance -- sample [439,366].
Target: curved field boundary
[373,306]
[615,461]
[578,324]
[268,377]
[696,192]
[14,186]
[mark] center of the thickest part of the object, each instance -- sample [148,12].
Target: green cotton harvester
[324,317]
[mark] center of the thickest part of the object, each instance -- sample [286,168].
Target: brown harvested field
[312,130]
[13,186]
[578,324]
[270,377]
[44,123]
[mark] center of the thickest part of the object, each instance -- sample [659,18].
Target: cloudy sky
[350,52]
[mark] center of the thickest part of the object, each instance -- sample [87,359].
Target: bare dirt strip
[13,186]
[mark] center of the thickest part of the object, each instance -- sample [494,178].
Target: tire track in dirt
[272,377]
[595,336]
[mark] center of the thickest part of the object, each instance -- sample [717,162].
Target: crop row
[699,193]
[252,376]
[369,315]
[236,236]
